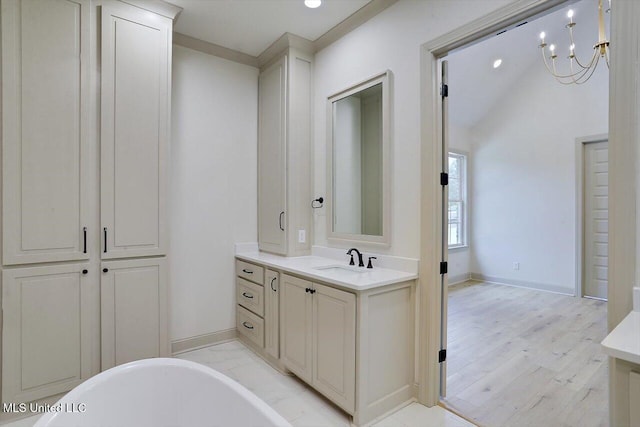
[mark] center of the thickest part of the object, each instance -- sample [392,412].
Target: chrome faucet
[360,261]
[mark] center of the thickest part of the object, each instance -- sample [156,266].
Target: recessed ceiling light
[497,63]
[312,3]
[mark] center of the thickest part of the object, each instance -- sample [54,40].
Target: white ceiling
[475,86]
[250,26]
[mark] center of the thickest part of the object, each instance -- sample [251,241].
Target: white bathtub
[159,393]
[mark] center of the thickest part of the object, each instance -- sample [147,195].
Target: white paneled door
[133,310]
[46,332]
[45,115]
[596,219]
[135,91]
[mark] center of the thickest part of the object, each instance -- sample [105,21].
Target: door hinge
[444,90]
[443,267]
[442,355]
[444,178]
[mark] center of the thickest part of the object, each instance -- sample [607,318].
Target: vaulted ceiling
[476,86]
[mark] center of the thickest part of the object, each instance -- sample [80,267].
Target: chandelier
[579,72]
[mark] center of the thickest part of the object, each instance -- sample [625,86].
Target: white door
[135,89]
[272,313]
[133,310]
[271,158]
[296,319]
[45,333]
[596,219]
[45,117]
[334,345]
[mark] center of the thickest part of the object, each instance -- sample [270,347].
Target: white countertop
[360,279]
[624,341]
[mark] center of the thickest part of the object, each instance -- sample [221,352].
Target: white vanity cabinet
[319,338]
[257,309]
[355,345]
[284,154]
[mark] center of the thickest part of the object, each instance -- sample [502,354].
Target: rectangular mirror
[358,199]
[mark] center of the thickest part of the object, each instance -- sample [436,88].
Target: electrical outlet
[302,236]
[516,266]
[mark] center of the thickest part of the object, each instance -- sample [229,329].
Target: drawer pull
[244,270]
[246,295]
[272,288]
[247,325]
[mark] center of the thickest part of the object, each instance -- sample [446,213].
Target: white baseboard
[458,278]
[200,341]
[522,284]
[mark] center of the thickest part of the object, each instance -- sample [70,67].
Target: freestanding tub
[161,393]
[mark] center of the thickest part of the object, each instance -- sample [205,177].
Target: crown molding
[352,22]
[284,42]
[214,49]
[160,7]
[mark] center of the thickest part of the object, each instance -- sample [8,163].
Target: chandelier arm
[572,43]
[593,57]
[593,70]
[580,77]
[554,73]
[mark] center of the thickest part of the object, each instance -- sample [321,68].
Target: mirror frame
[336,237]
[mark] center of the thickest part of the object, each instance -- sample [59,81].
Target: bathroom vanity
[346,331]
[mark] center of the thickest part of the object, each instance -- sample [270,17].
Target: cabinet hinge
[444,90]
[443,267]
[442,355]
[444,178]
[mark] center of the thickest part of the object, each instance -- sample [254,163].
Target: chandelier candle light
[584,71]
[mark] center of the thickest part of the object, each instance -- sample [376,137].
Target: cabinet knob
[105,270]
[85,271]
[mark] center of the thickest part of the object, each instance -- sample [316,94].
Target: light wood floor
[518,357]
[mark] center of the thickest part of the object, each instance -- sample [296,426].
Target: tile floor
[293,399]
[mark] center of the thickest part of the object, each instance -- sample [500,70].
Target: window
[457,200]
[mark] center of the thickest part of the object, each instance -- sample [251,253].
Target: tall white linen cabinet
[86,93]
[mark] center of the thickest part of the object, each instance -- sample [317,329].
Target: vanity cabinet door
[135,88]
[272,313]
[334,345]
[296,317]
[272,218]
[45,130]
[134,311]
[46,331]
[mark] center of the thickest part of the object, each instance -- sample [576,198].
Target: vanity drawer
[249,271]
[250,296]
[250,325]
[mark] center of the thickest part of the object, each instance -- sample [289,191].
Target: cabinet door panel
[45,106]
[296,319]
[271,154]
[334,345]
[135,96]
[272,313]
[44,331]
[134,311]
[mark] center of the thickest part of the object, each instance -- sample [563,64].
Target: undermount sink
[340,269]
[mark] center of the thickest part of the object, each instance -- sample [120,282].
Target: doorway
[515,265]
[595,214]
